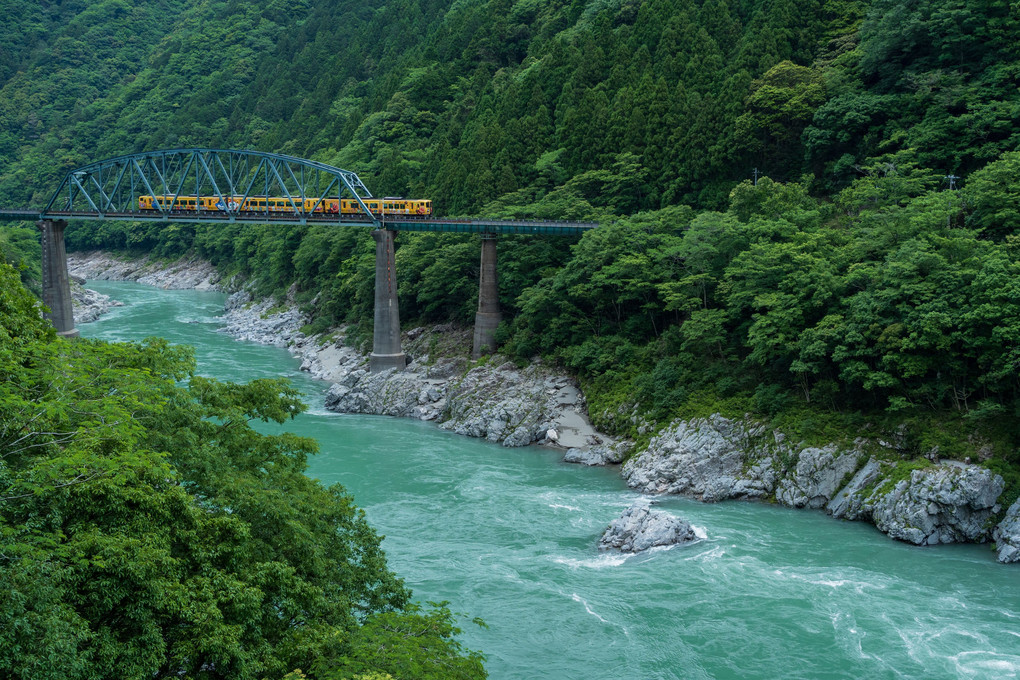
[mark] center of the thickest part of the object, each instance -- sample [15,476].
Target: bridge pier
[56,283]
[487,317]
[386,352]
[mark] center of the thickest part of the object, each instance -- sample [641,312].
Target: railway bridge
[198,185]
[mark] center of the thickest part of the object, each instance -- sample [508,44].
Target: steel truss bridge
[110,190]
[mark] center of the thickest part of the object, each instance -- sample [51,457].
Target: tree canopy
[147,531]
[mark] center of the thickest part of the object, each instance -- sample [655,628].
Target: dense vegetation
[854,288]
[147,531]
[854,278]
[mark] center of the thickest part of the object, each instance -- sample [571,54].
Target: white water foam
[601,562]
[707,556]
[587,607]
[858,587]
[986,665]
[211,320]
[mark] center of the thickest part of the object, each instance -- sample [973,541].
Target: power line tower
[952,187]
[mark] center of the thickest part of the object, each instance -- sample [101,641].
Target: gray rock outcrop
[1007,535]
[186,273]
[494,400]
[816,478]
[88,305]
[599,454]
[940,504]
[712,459]
[717,458]
[265,321]
[640,528]
[848,503]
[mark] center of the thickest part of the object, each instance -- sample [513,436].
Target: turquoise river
[509,535]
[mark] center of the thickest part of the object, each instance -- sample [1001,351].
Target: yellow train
[277,204]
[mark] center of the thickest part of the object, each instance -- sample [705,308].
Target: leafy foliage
[146,530]
[851,276]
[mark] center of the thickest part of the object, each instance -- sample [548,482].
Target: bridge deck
[11,215]
[398,223]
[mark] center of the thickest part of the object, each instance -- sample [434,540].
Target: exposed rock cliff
[1007,535]
[717,458]
[494,399]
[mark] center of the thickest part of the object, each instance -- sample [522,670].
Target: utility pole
[756,173]
[952,187]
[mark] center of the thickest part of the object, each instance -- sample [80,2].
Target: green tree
[781,105]
[147,530]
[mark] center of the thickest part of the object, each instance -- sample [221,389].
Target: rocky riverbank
[182,274]
[921,502]
[88,305]
[493,399]
[713,459]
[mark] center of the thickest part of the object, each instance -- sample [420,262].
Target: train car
[392,205]
[182,203]
[378,206]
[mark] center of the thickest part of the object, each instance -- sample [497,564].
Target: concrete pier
[386,352]
[488,316]
[56,283]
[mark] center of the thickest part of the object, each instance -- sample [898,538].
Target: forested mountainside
[629,105]
[867,281]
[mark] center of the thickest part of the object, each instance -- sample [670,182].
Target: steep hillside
[853,279]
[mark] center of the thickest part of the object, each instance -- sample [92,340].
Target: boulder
[712,459]
[1007,535]
[599,454]
[817,477]
[640,528]
[949,503]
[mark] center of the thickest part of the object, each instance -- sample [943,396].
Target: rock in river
[640,528]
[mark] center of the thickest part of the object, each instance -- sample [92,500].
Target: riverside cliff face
[494,400]
[717,459]
[712,459]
